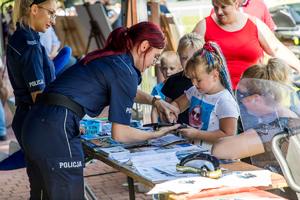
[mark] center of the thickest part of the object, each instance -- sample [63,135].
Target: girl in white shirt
[213,112]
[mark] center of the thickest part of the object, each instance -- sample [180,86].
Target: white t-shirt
[206,110]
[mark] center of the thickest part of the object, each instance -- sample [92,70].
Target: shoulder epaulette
[31,43]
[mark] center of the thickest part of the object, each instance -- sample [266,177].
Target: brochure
[176,147]
[185,185]
[100,142]
[115,153]
[166,140]
[89,137]
[143,149]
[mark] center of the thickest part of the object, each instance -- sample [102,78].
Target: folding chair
[289,164]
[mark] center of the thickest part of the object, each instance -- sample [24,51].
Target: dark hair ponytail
[123,39]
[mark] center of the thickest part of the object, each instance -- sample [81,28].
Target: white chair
[290,164]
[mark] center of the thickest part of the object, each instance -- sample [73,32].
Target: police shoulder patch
[31,43]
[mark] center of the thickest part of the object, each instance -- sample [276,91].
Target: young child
[213,111]
[169,64]
[178,83]
[236,147]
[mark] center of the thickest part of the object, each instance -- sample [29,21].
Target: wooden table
[278,181]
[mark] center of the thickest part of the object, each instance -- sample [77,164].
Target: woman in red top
[242,38]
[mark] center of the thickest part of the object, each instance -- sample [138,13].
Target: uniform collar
[29,31]
[128,56]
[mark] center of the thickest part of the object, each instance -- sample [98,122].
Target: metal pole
[124,4]
[131,188]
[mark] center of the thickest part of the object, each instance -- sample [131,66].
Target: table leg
[89,191]
[131,188]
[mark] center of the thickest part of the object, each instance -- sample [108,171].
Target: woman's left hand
[167,112]
[189,132]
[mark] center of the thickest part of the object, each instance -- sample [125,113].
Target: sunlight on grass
[189,22]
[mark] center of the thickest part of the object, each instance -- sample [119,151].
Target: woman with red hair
[108,76]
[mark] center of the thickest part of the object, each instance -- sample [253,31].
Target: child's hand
[189,132]
[162,131]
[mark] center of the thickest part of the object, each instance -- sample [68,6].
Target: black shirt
[175,86]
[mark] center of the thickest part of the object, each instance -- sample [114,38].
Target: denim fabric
[2,121]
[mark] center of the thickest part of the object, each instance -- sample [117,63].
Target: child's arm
[154,115]
[182,103]
[227,128]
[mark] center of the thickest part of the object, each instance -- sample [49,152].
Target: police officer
[29,67]
[108,76]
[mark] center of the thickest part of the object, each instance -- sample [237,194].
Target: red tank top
[241,48]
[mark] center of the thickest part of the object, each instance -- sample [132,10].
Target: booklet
[143,149]
[115,153]
[177,147]
[89,137]
[185,185]
[107,141]
[100,142]
[166,140]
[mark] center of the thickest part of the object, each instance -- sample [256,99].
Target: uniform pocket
[65,177]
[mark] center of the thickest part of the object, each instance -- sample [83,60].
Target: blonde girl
[213,111]
[179,83]
[276,70]
[188,44]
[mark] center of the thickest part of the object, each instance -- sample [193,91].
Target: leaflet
[155,159]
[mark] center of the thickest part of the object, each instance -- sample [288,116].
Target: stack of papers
[115,152]
[247,178]
[155,159]
[195,184]
[97,143]
[166,140]
[185,185]
[159,166]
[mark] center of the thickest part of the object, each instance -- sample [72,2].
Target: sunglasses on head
[244,95]
[240,95]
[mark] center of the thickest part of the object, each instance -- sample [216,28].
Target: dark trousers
[55,161]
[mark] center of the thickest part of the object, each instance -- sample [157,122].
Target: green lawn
[189,22]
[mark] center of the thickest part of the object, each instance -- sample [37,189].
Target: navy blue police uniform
[30,70]
[51,129]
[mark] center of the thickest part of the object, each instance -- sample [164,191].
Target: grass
[189,22]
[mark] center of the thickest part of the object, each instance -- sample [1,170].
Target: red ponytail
[122,39]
